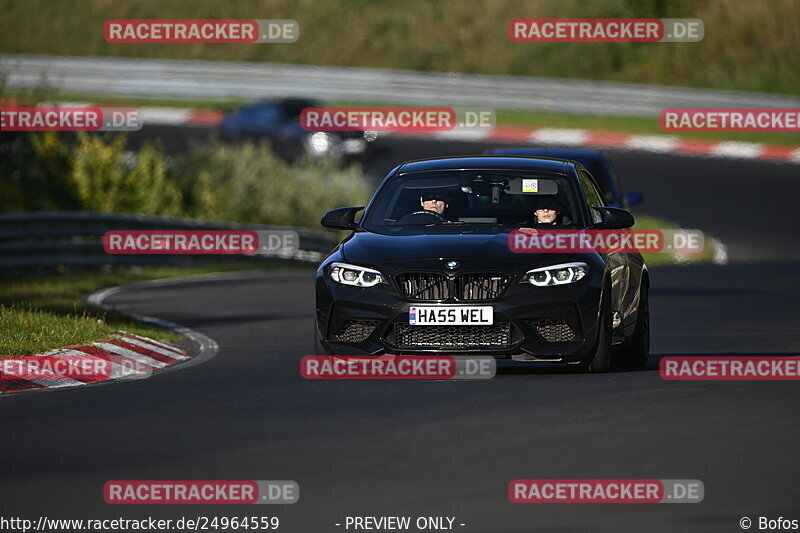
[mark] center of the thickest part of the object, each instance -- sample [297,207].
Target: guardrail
[75,238]
[221,80]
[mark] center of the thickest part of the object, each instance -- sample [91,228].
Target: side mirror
[613,218]
[342,218]
[634,197]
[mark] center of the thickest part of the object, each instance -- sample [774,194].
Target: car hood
[427,251]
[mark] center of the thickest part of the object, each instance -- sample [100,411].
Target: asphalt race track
[451,448]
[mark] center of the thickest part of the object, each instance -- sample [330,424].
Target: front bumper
[556,324]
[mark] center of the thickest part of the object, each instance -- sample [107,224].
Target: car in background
[412,281]
[595,161]
[279,122]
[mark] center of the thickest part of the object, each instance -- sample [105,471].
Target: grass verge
[611,123]
[632,125]
[38,314]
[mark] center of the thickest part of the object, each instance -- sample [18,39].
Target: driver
[547,210]
[433,205]
[432,201]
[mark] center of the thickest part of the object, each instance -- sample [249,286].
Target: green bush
[41,172]
[215,181]
[107,178]
[247,183]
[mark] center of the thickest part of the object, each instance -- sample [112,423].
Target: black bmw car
[428,269]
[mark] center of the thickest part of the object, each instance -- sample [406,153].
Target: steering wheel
[423,217]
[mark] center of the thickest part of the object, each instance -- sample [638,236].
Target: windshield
[473,199]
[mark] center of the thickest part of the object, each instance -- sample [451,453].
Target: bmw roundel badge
[452,265]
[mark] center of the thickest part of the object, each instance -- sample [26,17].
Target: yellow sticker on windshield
[530,185]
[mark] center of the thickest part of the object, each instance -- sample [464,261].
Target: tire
[601,358]
[636,352]
[319,349]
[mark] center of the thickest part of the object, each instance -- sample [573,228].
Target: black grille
[356,330]
[430,286]
[497,335]
[480,286]
[553,330]
[424,286]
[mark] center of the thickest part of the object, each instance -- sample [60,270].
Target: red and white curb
[130,357]
[663,144]
[173,116]
[127,351]
[152,115]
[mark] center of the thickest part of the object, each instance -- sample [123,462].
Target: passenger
[547,211]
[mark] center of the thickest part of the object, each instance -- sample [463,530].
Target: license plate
[450,315]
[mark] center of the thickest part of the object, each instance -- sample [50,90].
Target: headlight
[320,142]
[556,274]
[355,275]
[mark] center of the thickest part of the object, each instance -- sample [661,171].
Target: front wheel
[635,354]
[601,359]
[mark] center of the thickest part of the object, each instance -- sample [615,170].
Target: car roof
[477,162]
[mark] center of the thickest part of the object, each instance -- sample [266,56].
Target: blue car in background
[594,160]
[279,122]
